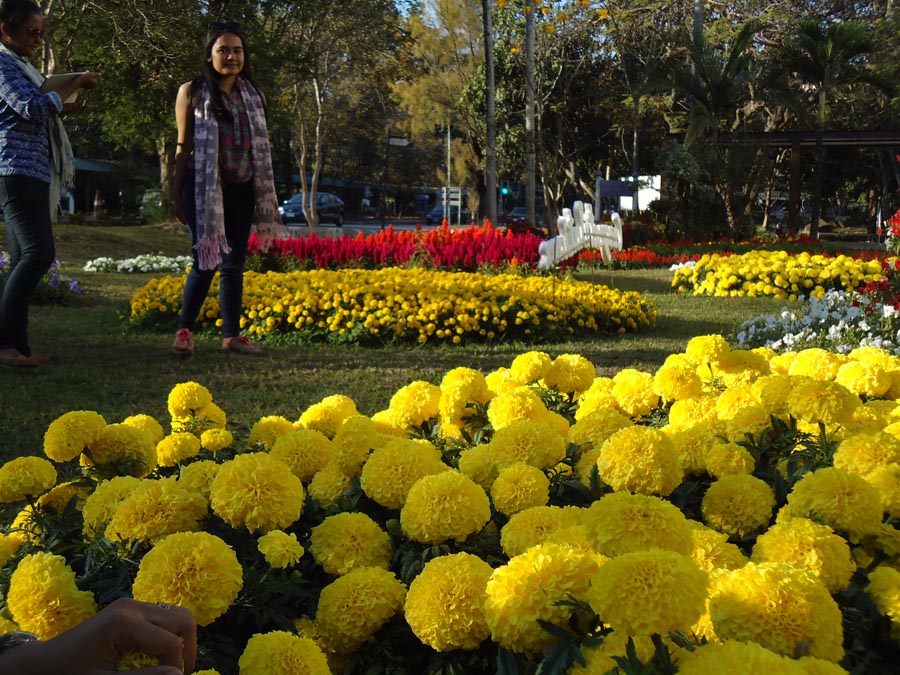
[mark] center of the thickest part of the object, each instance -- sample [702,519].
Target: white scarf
[62,160]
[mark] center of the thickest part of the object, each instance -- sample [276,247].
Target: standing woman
[35,160]
[223,182]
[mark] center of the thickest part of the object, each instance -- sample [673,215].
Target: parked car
[436,215]
[329,207]
[517,221]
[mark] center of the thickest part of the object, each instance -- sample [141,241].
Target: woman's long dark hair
[211,78]
[16,12]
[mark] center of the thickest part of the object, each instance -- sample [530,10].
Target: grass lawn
[99,365]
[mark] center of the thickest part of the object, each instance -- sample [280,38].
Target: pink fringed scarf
[211,240]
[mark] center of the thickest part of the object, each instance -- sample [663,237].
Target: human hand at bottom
[96,645]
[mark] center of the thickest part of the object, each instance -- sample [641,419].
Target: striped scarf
[211,239]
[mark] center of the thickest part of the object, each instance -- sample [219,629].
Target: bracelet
[16,638]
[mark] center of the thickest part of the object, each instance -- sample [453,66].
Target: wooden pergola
[797,139]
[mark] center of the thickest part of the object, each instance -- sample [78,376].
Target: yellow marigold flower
[864,452]
[886,479]
[841,500]
[534,526]
[640,459]
[148,424]
[282,653]
[570,374]
[176,447]
[99,507]
[705,349]
[519,486]
[347,541]
[478,464]
[69,435]
[633,391]
[460,388]
[692,445]
[327,415]
[779,607]
[626,593]
[738,505]
[8,546]
[25,477]
[305,451]
[7,626]
[819,364]
[864,378]
[500,381]
[591,430]
[741,367]
[445,603]
[25,528]
[676,380]
[280,549]
[392,470]
[807,546]
[712,550]
[737,657]
[352,607]
[692,413]
[216,440]
[328,485]
[728,459]
[816,402]
[623,523]
[187,398]
[772,391]
[118,444]
[415,404]
[600,659]
[514,405]
[203,562]
[887,539]
[530,442]
[884,589]
[530,589]
[444,506]
[530,366]
[198,476]
[58,498]
[154,509]
[43,598]
[258,492]
[266,430]
[354,439]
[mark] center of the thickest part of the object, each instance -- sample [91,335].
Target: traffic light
[504,190]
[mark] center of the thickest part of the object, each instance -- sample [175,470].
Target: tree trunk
[491,145]
[529,113]
[816,207]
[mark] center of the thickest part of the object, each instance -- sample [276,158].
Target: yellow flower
[676,380]
[43,598]
[738,505]
[705,349]
[444,506]
[198,476]
[530,366]
[519,486]
[266,430]
[712,550]
[196,570]
[633,392]
[884,589]
[354,606]
[779,607]
[460,389]
[305,451]
[570,374]
[327,415]
[623,523]
[591,430]
[148,424]
[737,657]
[445,603]
[530,442]
[352,443]
[154,509]
[25,477]
[841,500]
[627,592]
[886,479]
[187,398]
[176,447]
[477,462]
[728,459]
[530,588]
[808,546]
[600,659]
[8,546]
[515,405]
[864,378]
[816,402]
[864,452]
[282,653]
[215,440]
[258,492]
[346,541]
[640,459]
[392,470]
[415,404]
[328,485]
[68,435]
[280,549]
[99,507]
[122,444]
[534,526]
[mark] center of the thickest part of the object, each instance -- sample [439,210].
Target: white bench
[578,231]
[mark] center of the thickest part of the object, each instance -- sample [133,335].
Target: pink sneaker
[241,345]
[184,342]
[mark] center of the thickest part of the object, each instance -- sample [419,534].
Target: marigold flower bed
[413,305]
[732,512]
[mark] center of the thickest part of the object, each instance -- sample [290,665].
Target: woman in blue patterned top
[34,155]
[223,182]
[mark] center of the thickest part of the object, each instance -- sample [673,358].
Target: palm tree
[825,56]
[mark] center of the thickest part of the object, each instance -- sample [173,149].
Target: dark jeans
[26,210]
[239,204]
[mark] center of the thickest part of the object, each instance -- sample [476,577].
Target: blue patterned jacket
[24,111]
